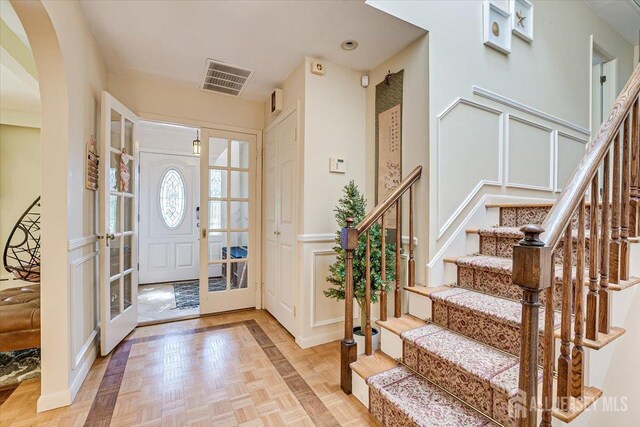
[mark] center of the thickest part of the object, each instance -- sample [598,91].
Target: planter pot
[359,339]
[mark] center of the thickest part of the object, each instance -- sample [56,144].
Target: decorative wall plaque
[389,139]
[522,19]
[93,161]
[497,27]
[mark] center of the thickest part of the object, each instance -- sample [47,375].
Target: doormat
[187,294]
[19,365]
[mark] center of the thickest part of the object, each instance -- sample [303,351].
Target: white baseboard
[319,339]
[46,402]
[87,359]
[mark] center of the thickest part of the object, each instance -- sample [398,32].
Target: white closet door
[280,205]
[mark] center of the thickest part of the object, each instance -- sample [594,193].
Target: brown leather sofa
[20,318]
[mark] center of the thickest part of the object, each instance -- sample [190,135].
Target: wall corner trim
[485,93]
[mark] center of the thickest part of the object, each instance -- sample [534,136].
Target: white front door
[279,226]
[228,165]
[118,187]
[168,217]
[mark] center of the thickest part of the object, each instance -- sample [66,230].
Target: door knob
[110,236]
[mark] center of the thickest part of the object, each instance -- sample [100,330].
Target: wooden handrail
[608,174]
[349,243]
[377,212]
[562,210]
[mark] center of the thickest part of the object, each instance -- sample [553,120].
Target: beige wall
[72,76]
[19,179]
[414,60]
[473,134]
[184,104]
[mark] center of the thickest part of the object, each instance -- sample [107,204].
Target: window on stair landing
[172,198]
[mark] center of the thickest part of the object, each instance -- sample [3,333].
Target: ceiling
[19,91]
[171,40]
[622,15]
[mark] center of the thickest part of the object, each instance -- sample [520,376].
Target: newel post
[348,349]
[531,267]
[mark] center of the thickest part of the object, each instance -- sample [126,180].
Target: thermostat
[337,165]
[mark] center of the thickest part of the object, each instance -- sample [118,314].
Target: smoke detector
[225,78]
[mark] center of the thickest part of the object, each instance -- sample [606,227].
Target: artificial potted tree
[353,205]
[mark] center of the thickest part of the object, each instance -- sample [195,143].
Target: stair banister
[349,242]
[534,268]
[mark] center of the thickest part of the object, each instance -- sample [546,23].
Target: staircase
[485,352]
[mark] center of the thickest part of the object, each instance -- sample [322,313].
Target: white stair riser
[419,306]
[391,344]
[360,389]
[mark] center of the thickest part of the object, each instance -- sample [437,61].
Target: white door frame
[160,118]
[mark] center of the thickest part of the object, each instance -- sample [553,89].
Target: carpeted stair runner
[470,348]
[399,397]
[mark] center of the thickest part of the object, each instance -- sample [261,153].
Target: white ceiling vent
[225,78]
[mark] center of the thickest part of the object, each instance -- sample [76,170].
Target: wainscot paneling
[470,149]
[527,142]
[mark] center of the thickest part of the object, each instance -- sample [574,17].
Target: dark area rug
[17,366]
[187,294]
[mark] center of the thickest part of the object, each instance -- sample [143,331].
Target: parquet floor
[234,369]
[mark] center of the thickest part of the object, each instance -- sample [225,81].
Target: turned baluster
[549,352]
[626,200]
[397,295]
[634,220]
[577,378]
[367,299]
[383,273]
[564,360]
[591,327]
[348,349]
[614,246]
[412,263]
[603,294]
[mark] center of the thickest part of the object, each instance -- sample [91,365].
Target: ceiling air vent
[225,78]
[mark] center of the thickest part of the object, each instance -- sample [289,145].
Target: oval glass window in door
[172,198]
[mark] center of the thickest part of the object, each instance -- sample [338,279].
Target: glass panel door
[228,165]
[118,183]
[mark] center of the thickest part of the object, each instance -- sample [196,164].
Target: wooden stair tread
[367,366]
[624,284]
[398,325]
[425,290]
[603,339]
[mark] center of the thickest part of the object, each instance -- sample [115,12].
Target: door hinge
[204,233]
[603,79]
[295,134]
[138,266]
[294,311]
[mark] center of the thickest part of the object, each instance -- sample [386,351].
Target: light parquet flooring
[191,374]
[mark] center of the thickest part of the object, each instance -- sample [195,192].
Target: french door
[228,220]
[118,189]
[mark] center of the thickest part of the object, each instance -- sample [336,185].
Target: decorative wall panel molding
[515,137]
[333,311]
[525,141]
[460,128]
[83,281]
[485,93]
[569,151]
[316,238]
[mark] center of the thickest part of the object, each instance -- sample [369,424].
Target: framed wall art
[522,19]
[496,27]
